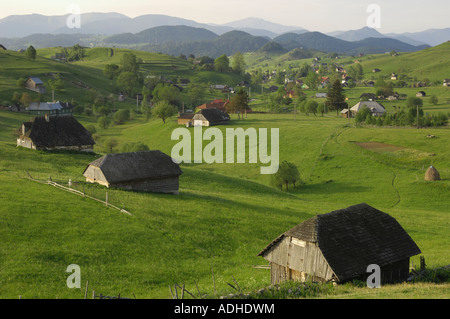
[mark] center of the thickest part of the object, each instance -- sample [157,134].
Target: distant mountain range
[171,35]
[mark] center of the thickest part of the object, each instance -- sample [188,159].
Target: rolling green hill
[225,213]
[15,65]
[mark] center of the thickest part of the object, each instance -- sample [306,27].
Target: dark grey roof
[214,115]
[353,238]
[58,131]
[135,166]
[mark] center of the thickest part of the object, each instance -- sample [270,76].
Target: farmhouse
[56,108]
[185,118]
[35,84]
[147,171]
[376,108]
[210,117]
[2,47]
[446,82]
[55,133]
[394,77]
[339,246]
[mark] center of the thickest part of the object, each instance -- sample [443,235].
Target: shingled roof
[214,115]
[350,239]
[134,166]
[57,131]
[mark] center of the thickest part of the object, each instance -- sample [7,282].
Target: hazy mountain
[256,23]
[25,25]
[357,35]
[326,43]
[163,34]
[404,38]
[228,43]
[432,37]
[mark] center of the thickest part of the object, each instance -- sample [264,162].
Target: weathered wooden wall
[299,259]
[163,185]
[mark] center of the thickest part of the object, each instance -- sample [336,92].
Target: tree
[321,108]
[31,53]
[127,82]
[238,102]
[312,80]
[336,98]
[25,99]
[415,104]
[195,93]
[121,116]
[110,144]
[163,110]
[111,71]
[166,92]
[129,63]
[222,63]
[287,174]
[434,100]
[311,107]
[238,63]
[57,83]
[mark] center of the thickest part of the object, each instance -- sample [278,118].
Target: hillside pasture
[225,213]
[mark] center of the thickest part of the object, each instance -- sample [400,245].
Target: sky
[396,16]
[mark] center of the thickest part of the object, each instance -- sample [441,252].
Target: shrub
[133,147]
[121,116]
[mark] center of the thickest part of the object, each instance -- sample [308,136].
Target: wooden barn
[210,117]
[55,133]
[146,171]
[35,84]
[339,246]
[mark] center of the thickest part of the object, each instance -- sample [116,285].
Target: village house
[55,133]
[50,108]
[185,118]
[35,84]
[146,171]
[376,70]
[446,82]
[339,246]
[394,77]
[421,94]
[210,117]
[376,108]
[2,47]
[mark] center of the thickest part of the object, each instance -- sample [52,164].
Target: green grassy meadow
[225,213]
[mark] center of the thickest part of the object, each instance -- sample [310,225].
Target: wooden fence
[80,193]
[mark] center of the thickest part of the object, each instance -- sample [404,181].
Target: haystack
[432,174]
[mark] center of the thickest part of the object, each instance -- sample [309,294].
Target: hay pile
[432,174]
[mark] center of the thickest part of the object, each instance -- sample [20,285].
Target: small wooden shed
[147,171]
[339,246]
